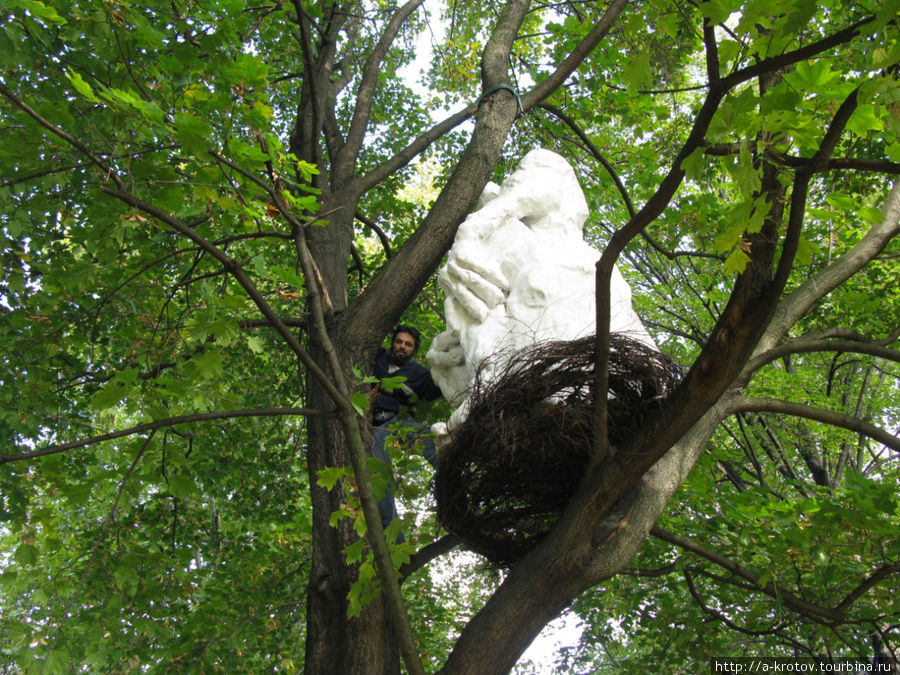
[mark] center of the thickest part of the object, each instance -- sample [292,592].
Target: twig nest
[511,468]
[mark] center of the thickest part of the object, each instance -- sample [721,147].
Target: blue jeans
[387,505]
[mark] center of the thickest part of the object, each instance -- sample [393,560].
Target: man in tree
[397,403]
[737,153]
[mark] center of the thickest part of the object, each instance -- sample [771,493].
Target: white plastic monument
[520,272]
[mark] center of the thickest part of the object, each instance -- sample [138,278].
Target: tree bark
[336,643]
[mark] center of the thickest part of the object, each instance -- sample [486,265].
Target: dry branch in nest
[511,468]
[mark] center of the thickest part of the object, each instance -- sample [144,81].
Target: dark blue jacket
[418,385]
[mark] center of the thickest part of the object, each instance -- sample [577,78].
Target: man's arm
[423,385]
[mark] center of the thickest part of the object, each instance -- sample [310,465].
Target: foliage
[158,187]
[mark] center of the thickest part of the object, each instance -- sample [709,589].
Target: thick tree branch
[750,308]
[711,51]
[581,552]
[78,165]
[873,580]
[800,190]
[556,79]
[365,96]
[422,253]
[428,553]
[771,405]
[407,154]
[659,572]
[717,91]
[834,340]
[230,265]
[354,438]
[716,614]
[317,93]
[241,277]
[836,614]
[792,162]
[397,283]
[382,237]
[266,11]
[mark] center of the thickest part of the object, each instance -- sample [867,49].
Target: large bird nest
[511,468]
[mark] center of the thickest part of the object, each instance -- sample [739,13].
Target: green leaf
[307,170]
[812,75]
[181,485]
[192,132]
[870,215]
[57,661]
[256,344]
[693,164]
[893,152]
[354,552]
[841,200]
[109,396]
[40,11]
[865,119]
[288,275]
[211,363]
[820,557]
[745,174]
[337,516]
[26,554]
[360,525]
[360,402]
[718,11]
[263,110]
[736,263]
[366,379]
[81,86]
[389,384]
[328,477]
[638,73]
[149,109]
[805,251]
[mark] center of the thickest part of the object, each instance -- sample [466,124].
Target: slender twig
[837,614]
[385,242]
[68,138]
[162,424]
[595,152]
[78,165]
[271,9]
[106,523]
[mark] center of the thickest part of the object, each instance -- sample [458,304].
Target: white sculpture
[520,272]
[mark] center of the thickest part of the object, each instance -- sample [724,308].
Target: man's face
[402,347]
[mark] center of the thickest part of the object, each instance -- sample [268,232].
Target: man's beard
[398,360]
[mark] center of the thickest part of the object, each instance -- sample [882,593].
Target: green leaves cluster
[188,547]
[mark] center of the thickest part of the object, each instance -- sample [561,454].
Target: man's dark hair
[412,330]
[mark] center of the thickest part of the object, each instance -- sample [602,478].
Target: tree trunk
[884,658]
[336,643]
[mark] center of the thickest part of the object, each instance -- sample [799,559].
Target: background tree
[204,238]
